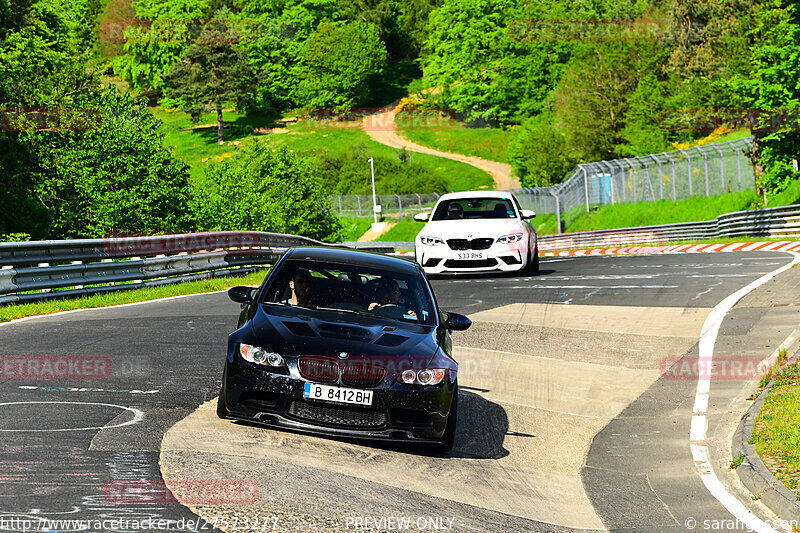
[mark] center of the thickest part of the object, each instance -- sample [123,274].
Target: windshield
[352,289]
[468,208]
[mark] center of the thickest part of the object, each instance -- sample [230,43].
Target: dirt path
[380,127]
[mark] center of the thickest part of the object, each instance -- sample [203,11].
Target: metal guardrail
[40,270]
[776,222]
[32,271]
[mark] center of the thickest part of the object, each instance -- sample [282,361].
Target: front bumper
[398,412]
[442,259]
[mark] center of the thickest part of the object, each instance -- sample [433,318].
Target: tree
[770,88]
[113,176]
[338,61]
[210,75]
[262,190]
[540,152]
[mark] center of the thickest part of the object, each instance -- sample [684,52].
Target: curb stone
[754,473]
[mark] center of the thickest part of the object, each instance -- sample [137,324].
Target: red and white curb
[772,246]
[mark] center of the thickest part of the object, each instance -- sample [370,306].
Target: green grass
[404,231]
[692,209]
[354,228]
[448,135]
[11,312]
[777,429]
[198,148]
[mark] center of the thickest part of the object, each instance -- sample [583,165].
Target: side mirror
[527,213]
[422,217]
[456,322]
[240,294]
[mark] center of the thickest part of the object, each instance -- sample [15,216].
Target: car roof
[348,256]
[476,194]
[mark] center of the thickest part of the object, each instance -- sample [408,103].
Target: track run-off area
[583,406]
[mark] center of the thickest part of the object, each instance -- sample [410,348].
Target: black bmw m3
[347,343]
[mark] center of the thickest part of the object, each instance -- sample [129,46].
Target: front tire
[222,410]
[533,263]
[449,438]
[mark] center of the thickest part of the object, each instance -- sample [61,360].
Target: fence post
[340,206]
[558,210]
[585,185]
[660,179]
[647,175]
[399,206]
[419,202]
[705,167]
[674,187]
[721,167]
[688,169]
[359,204]
[738,162]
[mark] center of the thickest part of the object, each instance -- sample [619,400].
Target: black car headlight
[260,356]
[428,376]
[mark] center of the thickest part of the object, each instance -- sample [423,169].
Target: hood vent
[300,328]
[335,331]
[388,339]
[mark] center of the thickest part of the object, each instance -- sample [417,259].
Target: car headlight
[514,237]
[260,356]
[429,376]
[431,241]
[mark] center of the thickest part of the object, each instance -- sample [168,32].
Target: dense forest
[573,80]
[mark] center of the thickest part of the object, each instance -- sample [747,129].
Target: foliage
[88,161]
[349,173]
[210,74]
[540,153]
[115,177]
[160,35]
[261,190]
[772,87]
[337,63]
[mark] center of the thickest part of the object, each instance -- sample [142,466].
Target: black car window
[354,289]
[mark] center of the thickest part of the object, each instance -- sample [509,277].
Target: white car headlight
[431,241]
[260,356]
[514,237]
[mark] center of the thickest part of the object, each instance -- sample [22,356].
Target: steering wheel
[390,311]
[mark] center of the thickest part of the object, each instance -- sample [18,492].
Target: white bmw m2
[477,231]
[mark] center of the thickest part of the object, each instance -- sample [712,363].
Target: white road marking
[138,416]
[60,313]
[708,339]
[592,287]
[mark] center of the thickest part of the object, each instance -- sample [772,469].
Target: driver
[388,293]
[302,286]
[455,210]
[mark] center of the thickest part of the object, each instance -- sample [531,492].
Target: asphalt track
[613,436]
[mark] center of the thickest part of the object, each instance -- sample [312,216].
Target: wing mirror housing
[527,213]
[422,217]
[456,322]
[241,294]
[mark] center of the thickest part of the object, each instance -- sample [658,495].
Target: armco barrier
[770,222]
[41,270]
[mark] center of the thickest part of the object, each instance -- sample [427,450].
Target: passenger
[388,293]
[302,286]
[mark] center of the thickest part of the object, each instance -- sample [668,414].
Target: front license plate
[337,394]
[470,255]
